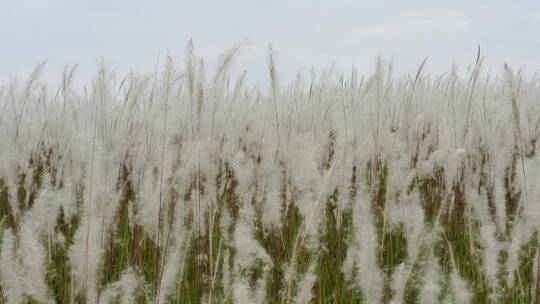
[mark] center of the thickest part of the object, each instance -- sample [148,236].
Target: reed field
[189,186]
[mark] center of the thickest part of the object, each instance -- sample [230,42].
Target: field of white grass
[188,186]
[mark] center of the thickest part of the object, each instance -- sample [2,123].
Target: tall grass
[179,187]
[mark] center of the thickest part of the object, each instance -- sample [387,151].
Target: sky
[132,35]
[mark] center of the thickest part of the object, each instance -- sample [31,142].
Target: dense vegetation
[183,187]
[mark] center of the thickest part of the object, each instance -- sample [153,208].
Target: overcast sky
[130,34]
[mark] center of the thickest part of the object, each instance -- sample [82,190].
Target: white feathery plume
[460,291]
[362,252]
[305,287]
[491,249]
[125,289]
[10,270]
[431,282]
[241,292]
[399,281]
